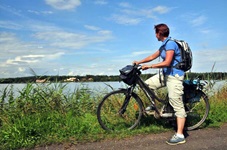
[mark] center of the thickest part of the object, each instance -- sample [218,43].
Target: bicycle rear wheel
[109,112]
[197,112]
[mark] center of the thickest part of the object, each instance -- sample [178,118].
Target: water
[93,87]
[219,84]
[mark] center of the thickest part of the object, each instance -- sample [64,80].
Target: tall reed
[44,113]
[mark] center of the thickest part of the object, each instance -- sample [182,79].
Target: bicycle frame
[195,102]
[147,91]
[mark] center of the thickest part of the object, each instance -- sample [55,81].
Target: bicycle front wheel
[197,112]
[111,116]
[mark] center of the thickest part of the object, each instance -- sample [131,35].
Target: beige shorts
[174,86]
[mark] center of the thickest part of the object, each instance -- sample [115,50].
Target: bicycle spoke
[196,112]
[111,116]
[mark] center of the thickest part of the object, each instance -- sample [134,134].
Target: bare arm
[165,63]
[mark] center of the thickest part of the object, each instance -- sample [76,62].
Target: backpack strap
[174,52]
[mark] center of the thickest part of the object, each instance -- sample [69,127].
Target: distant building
[70,79]
[40,80]
[90,79]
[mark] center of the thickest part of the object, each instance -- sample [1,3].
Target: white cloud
[40,12]
[29,59]
[64,4]
[126,20]
[62,39]
[142,53]
[55,55]
[17,55]
[130,15]
[30,25]
[40,26]
[101,2]
[47,44]
[125,4]
[195,19]
[12,11]
[71,73]
[105,32]
[161,9]
[91,27]
[198,20]
[10,25]
[206,31]
[7,37]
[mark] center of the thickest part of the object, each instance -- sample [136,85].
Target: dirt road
[204,139]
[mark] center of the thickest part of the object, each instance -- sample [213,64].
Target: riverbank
[103,78]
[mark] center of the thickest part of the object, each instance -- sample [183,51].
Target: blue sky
[98,37]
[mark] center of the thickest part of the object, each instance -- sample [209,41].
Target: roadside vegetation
[46,113]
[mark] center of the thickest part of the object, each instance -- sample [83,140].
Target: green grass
[218,107]
[45,114]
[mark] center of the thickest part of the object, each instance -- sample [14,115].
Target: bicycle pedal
[167,115]
[150,108]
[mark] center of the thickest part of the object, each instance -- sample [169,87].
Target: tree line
[105,78]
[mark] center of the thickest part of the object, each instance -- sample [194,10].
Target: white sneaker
[150,110]
[176,140]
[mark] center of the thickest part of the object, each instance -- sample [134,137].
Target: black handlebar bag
[128,74]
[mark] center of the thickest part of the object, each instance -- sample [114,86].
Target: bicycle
[123,108]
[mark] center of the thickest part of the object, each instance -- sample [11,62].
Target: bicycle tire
[107,111]
[197,112]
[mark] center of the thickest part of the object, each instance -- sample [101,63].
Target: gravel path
[203,139]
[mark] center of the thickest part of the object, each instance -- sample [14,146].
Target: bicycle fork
[126,101]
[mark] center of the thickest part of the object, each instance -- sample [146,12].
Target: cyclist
[170,77]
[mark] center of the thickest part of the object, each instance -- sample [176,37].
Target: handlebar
[138,67]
